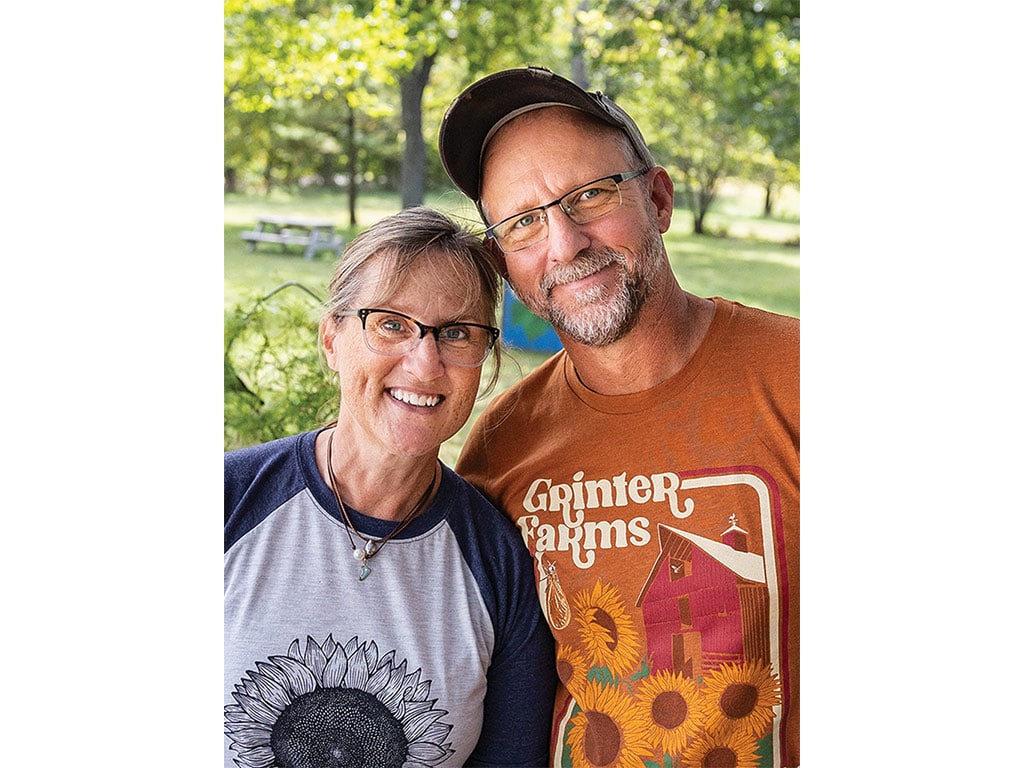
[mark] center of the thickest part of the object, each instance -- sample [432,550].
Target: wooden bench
[310,234]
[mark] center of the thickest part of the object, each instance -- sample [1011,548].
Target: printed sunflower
[605,733]
[721,750]
[672,708]
[571,668]
[335,706]
[741,697]
[607,630]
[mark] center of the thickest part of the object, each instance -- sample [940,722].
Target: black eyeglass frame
[618,178]
[433,330]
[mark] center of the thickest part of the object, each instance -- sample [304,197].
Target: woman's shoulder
[255,455]
[473,512]
[259,478]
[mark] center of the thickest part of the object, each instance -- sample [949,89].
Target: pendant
[362,555]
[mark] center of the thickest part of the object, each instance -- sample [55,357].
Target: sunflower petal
[256,709]
[250,736]
[260,757]
[272,692]
[314,657]
[300,679]
[336,669]
[416,725]
[427,752]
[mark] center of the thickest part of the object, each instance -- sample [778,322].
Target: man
[653,465]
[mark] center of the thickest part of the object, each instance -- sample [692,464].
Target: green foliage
[275,383]
[294,73]
[713,85]
[312,87]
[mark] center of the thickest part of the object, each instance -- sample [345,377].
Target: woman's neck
[385,487]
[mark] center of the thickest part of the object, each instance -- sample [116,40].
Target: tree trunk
[353,166]
[767,200]
[704,192]
[268,172]
[697,209]
[579,63]
[414,157]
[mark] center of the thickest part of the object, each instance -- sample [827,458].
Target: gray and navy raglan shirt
[440,657]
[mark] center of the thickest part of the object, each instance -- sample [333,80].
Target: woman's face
[405,405]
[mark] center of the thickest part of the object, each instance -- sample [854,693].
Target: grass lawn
[757,263]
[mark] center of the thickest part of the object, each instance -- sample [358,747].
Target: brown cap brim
[486,105]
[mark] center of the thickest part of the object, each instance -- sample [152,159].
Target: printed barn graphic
[702,603]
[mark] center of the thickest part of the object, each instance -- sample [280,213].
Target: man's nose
[566,238]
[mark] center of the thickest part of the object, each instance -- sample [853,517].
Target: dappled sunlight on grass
[764,275]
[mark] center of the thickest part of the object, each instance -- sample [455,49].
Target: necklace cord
[378,544]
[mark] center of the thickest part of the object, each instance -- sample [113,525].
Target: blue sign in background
[522,329]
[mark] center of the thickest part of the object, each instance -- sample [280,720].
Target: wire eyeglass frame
[572,204]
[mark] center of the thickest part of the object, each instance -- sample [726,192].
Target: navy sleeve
[521,679]
[257,480]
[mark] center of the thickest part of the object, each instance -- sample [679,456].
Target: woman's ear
[328,335]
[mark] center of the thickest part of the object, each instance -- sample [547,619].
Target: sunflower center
[564,670]
[602,740]
[603,620]
[669,710]
[738,699]
[719,757]
[338,727]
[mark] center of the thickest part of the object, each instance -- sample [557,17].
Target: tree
[482,34]
[711,83]
[304,67]
[320,89]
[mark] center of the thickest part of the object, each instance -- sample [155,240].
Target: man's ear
[662,196]
[499,256]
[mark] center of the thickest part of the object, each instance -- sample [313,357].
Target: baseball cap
[485,106]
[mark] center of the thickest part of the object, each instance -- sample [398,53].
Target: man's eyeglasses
[387,332]
[583,205]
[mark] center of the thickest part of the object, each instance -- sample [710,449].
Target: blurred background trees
[349,95]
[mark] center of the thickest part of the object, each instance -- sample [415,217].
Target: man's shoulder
[757,316]
[757,327]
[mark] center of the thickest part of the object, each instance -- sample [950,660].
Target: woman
[378,610]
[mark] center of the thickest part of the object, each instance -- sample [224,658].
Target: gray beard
[599,317]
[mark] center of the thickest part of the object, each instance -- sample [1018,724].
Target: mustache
[584,264]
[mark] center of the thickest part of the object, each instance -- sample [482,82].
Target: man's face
[588,280]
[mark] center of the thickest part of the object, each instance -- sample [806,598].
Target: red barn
[703,601]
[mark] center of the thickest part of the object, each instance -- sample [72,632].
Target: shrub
[275,383]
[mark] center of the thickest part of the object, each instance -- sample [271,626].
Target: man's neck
[664,340]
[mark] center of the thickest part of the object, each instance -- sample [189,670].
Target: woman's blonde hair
[397,242]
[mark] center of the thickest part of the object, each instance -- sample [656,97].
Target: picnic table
[312,234]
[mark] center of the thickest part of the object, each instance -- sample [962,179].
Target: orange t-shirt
[664,527]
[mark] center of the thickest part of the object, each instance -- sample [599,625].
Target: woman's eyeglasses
[387,332]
